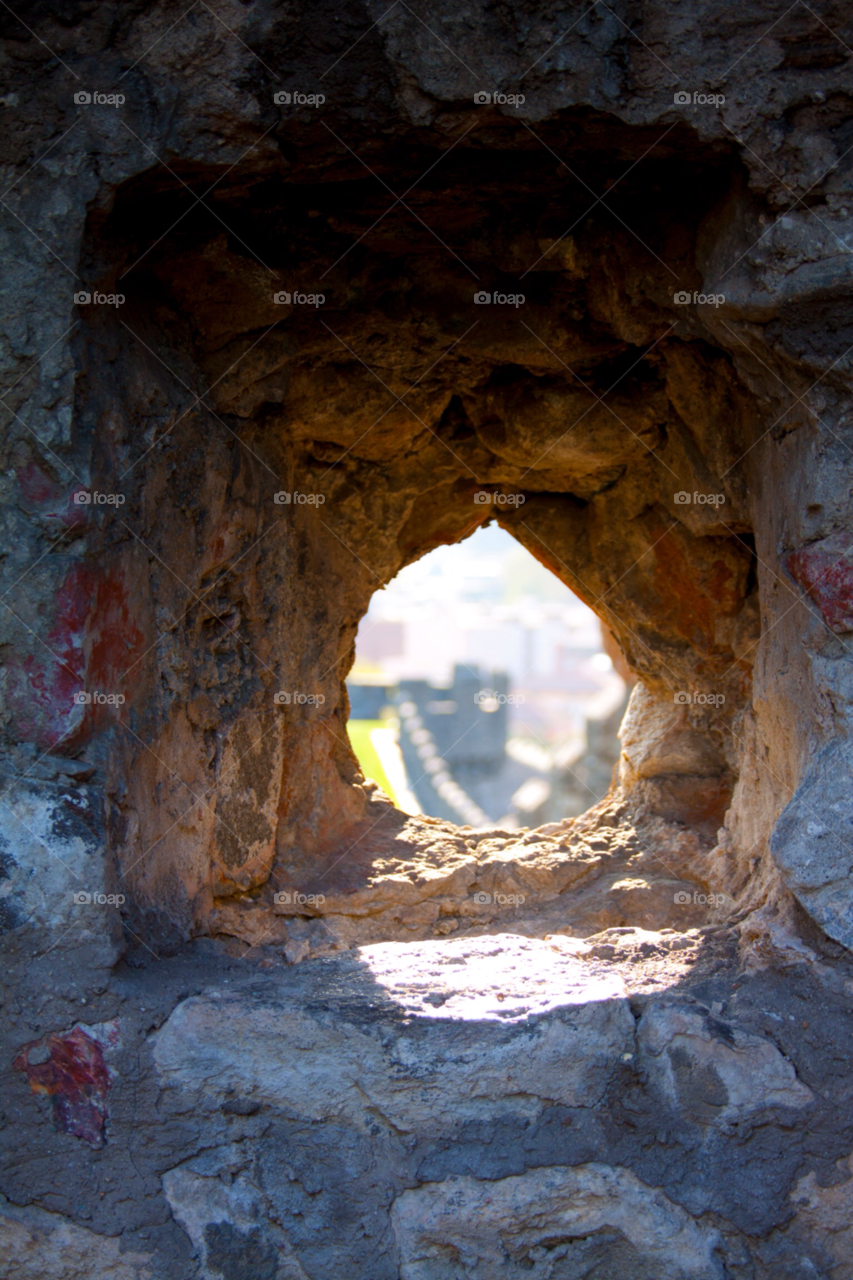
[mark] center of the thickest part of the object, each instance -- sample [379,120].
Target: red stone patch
[93,641]
[75,1078]
[825,570]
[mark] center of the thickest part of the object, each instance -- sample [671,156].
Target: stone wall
[178,785]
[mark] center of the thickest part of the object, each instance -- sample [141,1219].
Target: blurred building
[453,740]
[536,742]
[488,604]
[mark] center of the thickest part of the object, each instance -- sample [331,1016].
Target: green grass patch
[359,735]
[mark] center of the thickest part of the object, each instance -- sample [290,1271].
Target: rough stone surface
[685,336]
[813,842]
[419,878]
[550,1222]
[310,1118]
[320,1068]
[35,1243]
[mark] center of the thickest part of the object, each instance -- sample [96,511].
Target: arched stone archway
[578,400]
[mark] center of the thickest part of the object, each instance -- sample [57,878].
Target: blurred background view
[482,691]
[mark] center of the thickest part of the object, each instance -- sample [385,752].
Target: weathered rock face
[632,1105]
[260,350]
